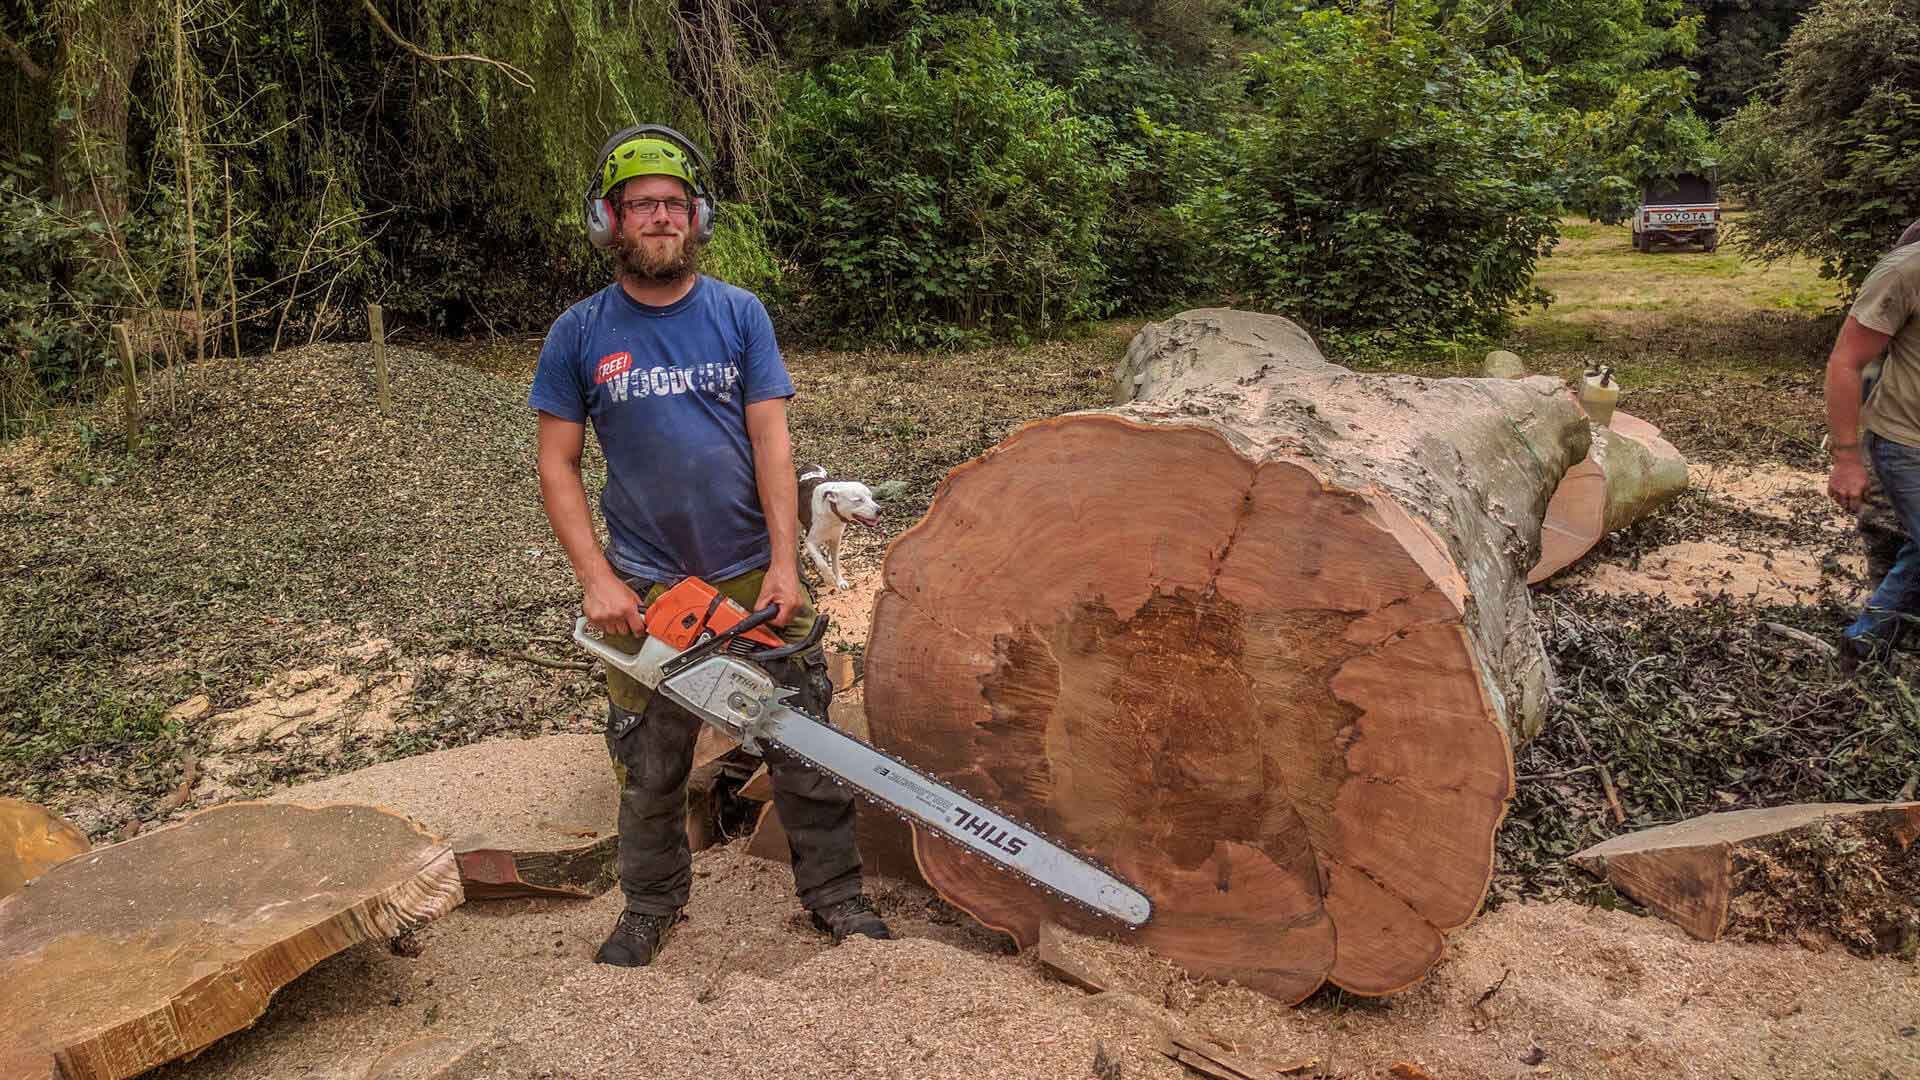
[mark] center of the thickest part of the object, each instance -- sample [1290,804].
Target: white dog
[826,506]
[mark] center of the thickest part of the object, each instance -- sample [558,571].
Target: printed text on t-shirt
[717,379]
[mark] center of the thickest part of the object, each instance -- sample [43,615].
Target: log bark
[139,953]
[33,840]
[101,46]
[1843,870]
[525,817]
[1260,640]
[1629,472]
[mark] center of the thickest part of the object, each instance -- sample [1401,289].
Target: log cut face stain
[1238,685]
[1157,718]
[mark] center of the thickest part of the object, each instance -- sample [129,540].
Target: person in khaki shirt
[1883,436]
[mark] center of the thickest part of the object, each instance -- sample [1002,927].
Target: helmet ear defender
[601,217]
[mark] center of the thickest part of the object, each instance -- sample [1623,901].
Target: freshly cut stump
[33,840]
[1261,642]
[1629,472]
[1775,874]
[526,817]
[139,953]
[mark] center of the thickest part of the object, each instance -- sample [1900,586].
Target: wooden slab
[135,954]
[1053,952]
[33,839]
[525,817]
[1752,872]
[759,786]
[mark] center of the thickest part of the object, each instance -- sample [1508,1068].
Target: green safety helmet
[646,157]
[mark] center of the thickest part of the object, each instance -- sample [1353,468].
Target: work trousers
[651,739]
[1895,602]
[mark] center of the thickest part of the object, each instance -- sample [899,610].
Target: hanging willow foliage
[371,156]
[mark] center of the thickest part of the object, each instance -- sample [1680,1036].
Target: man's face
[655,244]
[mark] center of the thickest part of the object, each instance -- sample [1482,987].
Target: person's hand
[613,607]
[1848,483]
[782,587]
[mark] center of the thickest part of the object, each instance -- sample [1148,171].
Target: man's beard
[648,263]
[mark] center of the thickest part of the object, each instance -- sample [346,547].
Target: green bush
[54,304]
[1384,181]
[939,191]
[1831,159]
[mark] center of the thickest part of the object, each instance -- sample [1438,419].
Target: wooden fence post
[132,398]
[377,331]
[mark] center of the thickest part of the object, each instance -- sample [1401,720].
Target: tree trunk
[1259,640]
[101,44]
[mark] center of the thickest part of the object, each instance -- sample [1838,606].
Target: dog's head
[851,500]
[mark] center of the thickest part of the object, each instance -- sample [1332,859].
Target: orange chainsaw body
[692,608]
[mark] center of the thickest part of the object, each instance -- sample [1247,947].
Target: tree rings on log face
[1246,691]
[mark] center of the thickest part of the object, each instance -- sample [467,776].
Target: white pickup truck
[1684,210]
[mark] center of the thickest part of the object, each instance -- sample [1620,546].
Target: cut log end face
[1253,701]
[33,840]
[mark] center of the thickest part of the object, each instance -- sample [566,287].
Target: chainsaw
[706,653]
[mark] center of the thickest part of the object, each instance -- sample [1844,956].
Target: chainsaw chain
[958,790]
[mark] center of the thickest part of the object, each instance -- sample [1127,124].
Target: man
[688,394]
[1884,437]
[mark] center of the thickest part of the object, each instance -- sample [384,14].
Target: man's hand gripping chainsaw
[705,652]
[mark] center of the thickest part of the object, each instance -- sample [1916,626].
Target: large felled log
[135,954]
[525,817]
[1773,874]
[1629,472]
[33,840]
[1260,640]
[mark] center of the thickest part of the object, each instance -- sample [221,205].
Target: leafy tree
[1831,157]
[1613,68]
[1738,40]
[939,190]
[1382,180]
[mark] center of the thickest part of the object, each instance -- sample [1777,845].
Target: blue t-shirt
[668,390]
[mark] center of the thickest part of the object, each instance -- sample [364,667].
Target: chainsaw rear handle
[586,636]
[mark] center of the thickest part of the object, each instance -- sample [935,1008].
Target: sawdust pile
[1691,571]
[745,989]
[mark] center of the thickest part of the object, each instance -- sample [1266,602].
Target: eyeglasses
[645,207]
